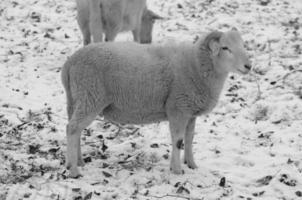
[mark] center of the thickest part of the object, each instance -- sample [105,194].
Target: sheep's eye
[226,49]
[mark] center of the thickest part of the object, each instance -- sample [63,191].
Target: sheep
[133,83]
[96,17]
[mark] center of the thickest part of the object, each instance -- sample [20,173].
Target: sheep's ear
[154,15]
[213,42]
[214,46]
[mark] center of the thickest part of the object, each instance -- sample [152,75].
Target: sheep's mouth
[243,71]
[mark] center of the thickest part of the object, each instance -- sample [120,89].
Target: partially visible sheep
[134,83]
[110,17]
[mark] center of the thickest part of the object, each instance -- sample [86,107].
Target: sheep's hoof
[74,173]
[191,164]
[81,162]
[177,171]
[68,165]
[75,177]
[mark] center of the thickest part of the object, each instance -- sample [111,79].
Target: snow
[252,140]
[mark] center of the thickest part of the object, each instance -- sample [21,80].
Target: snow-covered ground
[249,147]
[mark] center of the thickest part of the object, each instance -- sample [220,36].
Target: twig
[17,115]
[204,187]
[134,131]
[129,159]
[259,93]
[289,73]
[283,80]
[288,56]
[22,120]
[111,122]
[277,173]
[20,125]
[285,76]
[119,127]
[270,53]
[135,155]
[170,195]
[212,21]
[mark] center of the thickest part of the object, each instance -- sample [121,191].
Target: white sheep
[110,17]
[134,83]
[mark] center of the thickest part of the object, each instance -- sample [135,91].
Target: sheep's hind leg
[136,35]
[188,158]
[81,161]
[83,24]
[177,125]
[86,36]
[111,35]
[83,21]
[72,153]
[80,120]
[95,21]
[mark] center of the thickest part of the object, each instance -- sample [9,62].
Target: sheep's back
[131,78]
[138,83]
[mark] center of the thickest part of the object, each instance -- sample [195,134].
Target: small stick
[171,195]
[270,53]
[259,93]
[289,73]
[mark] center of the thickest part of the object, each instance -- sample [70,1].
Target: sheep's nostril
[249,67]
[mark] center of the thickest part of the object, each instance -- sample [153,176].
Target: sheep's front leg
[189,160]
[177,125]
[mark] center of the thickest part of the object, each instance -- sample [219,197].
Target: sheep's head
[148,20]
[228,52]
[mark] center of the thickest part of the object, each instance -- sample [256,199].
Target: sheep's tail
[66,84]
